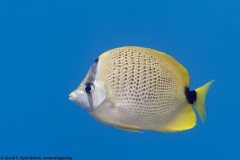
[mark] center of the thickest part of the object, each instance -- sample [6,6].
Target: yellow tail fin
[200,102]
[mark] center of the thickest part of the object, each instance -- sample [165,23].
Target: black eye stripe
[89,87]
[91,76]
[88,84]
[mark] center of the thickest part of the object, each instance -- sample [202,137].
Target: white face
[91,93]
[89,96]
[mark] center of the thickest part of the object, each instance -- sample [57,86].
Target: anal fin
[185,119]
[128,128]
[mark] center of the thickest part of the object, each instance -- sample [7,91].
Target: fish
[135,88]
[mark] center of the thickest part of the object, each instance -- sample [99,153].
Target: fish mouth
[72,96]
[81,98]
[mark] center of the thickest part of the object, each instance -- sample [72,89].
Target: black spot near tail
[191,95]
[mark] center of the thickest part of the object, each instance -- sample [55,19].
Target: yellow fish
[135,88]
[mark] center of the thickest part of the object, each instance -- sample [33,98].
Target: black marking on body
[191,95]
[91,76]
[90,101]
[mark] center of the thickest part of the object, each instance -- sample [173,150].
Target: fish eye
[89,87]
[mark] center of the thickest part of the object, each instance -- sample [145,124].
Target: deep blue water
[46,48]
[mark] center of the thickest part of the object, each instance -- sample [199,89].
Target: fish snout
[73,96]
[81,98]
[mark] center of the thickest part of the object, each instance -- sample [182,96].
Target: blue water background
[47,46]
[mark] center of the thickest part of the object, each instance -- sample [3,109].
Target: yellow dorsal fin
[185,119]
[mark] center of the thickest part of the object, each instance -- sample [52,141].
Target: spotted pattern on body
[143,87]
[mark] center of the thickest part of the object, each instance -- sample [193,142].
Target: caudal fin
[200,102]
